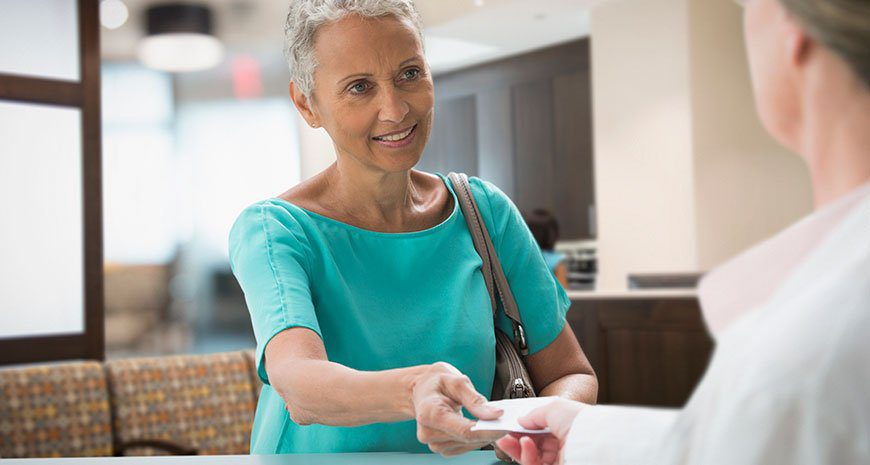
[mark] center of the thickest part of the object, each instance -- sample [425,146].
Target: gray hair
[306,17]
[841,25]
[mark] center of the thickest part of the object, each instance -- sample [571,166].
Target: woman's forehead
[366,44]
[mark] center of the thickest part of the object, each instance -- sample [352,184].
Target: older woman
[790,380]
[373,322]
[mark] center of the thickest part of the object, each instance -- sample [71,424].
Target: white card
[514,409]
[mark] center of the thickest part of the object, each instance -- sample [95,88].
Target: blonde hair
[843,26]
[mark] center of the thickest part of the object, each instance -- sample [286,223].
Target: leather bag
[512,378]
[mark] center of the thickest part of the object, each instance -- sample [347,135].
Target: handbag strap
[493,273]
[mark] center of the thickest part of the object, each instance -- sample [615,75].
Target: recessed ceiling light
[113,14]
[180,52]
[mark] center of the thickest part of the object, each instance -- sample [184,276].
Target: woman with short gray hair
[373,322]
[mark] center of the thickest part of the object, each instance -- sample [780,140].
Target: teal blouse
[384,300]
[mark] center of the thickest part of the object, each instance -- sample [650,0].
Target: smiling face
[372,91]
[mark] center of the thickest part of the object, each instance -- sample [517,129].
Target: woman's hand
[438,395]
[542,449]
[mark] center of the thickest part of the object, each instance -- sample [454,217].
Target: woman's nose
[393,107]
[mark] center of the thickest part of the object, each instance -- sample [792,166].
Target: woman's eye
[358,88]
[411,74]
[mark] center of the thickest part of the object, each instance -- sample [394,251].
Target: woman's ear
[303,105]
[798,44]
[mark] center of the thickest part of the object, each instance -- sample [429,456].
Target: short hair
[306,16]
[544,227]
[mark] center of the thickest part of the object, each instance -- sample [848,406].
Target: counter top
[471,458]
[675,293]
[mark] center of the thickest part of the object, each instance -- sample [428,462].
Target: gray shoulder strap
[493,274]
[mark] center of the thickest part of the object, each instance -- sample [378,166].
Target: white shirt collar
[748,280]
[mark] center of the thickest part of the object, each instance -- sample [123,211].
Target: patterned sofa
[191,404]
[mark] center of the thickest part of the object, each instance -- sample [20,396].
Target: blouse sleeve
[267,249]
[541,299]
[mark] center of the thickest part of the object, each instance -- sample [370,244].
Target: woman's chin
[396,161]
[398,166]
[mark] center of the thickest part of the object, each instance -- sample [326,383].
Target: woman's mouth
[397,140]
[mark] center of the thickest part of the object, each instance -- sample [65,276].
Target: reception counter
[648,347]
[633,294]
[471,458]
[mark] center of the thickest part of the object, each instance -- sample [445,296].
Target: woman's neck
[373,196]
[836,139]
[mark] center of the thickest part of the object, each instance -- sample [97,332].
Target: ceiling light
[113,14]
[180,39]
[444,53]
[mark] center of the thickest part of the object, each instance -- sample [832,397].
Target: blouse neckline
[405,234]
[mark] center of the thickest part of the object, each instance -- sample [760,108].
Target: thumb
[558,416]
[536,419]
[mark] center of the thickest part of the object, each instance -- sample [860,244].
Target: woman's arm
[317,391]
[562,369]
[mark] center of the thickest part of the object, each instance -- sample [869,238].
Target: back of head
[843,26]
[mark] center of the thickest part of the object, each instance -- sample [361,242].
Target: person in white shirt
[789,382]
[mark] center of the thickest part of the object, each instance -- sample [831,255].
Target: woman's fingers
[536,419]
[452,426]
[538,449]
[557,415]
[452,448]
[502,455]
[462,449]
[550,449]
[529,454]
[438,397]
[511,446]
[461,390]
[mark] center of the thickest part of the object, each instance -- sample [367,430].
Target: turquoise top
[384,300]
[552,259]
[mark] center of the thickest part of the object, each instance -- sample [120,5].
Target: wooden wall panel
[645,351]
[453,146]
[495,138]
[533,130]
[534,148]
[572,138]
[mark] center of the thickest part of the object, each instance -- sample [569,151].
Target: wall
[316,151]
[642,132]
[685,175]
[747,187]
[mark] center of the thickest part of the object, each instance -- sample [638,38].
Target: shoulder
[813,340]
[498,211]
[262,224]
[269,214]
[489,196]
